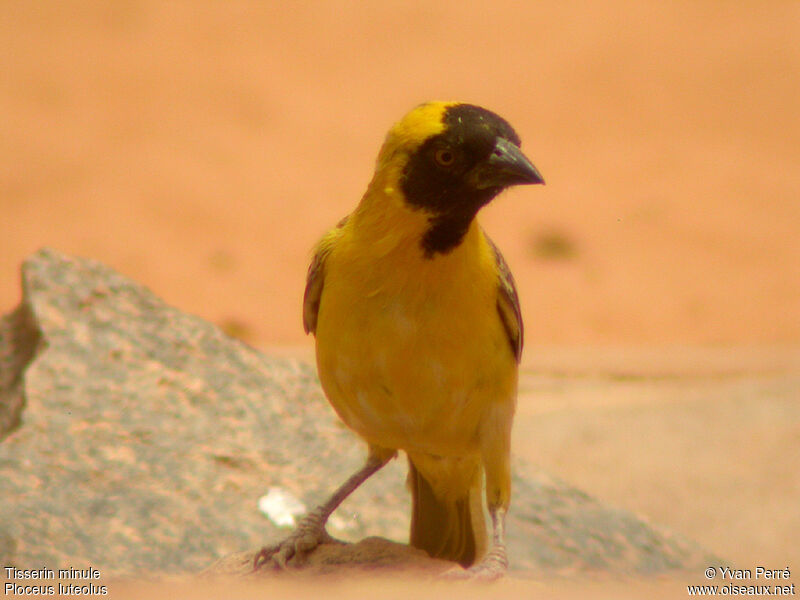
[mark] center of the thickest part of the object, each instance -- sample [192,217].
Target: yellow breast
[411,351]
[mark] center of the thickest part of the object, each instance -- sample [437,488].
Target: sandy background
[202,148]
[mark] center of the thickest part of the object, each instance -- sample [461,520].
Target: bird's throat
[445,232]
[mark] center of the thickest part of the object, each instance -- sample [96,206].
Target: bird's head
[449,159]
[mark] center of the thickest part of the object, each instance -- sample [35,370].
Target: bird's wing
[316,279]
[508,302]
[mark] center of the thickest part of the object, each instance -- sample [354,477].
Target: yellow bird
[419,333]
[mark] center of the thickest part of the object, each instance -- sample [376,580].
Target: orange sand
[203,147]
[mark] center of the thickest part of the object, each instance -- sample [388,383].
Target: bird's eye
[444,157]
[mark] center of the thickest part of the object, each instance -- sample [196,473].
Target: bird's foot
[309,534]
[493,566]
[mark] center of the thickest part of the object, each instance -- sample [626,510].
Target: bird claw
[309,534]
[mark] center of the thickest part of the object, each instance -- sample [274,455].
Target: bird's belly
[415,375]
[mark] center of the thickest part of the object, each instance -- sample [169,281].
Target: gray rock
[147,436]
[19,338]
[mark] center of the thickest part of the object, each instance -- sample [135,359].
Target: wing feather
[315,279]
[508,302]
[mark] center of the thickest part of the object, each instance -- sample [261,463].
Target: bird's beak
[506,166]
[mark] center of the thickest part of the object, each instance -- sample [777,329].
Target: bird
[419,333]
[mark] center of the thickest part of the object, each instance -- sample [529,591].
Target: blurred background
[202,148]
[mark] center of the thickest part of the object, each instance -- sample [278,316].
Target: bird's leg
[496,451]
[310,532]
[495,564]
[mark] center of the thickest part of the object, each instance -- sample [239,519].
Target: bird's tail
[444,523]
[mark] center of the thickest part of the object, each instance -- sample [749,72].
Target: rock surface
[370,555]
[138,440]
